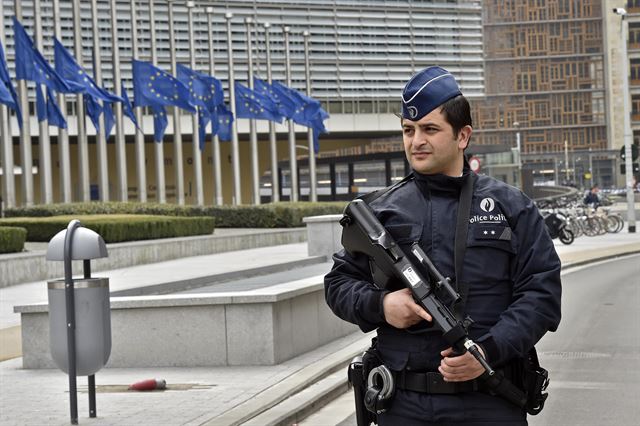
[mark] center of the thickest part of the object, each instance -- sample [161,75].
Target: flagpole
[44,142]
[121,153]
[293,163]
[141,171]
[158,146]
[101,138]
[313,193]
[273,147]
[25,134]
[83,147]
[6,153]
[64,155]
[235,152]
[253,137]
[177,133]
[197,154]
[217,173]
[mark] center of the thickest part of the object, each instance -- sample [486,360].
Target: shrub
[116,228]
[273,215]
[12,239]
[110,207]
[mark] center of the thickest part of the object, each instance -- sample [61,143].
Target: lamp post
[628,135]
[517,158]
[217,174]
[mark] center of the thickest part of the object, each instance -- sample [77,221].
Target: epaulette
[369,197]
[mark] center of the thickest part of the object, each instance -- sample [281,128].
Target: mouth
[420,154]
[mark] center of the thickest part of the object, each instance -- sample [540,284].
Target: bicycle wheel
[615,223]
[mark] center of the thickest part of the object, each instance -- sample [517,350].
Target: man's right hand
[401,311]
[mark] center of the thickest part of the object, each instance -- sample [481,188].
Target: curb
[292,386]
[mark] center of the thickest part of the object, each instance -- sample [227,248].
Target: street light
[518,158]
[628,135]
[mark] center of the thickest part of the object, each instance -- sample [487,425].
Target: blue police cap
[426,91]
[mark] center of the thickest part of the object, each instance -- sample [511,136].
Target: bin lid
[86,244]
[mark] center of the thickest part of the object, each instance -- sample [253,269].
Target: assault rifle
[363,233]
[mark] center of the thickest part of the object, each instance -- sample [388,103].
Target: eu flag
[76,77]
[204,117]
[304,107]
[250,104]
[10,100]
[160,122]
[127,108]
[93,111]
[152,86]
[224,125]
[48,109]
[205,91]
[109,118]
[286,106]
[41,105]
[31,65]
[54,115]
[317,124]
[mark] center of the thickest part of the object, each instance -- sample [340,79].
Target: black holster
[358,381]
[535,382]
[358,373]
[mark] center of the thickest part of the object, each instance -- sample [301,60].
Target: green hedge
[274,215]
[116,228]
[111,207]
[12,239]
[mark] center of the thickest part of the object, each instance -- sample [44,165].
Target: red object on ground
[149,385]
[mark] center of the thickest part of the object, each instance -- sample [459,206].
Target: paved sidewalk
[198,396]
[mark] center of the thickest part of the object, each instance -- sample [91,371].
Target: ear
[463,137]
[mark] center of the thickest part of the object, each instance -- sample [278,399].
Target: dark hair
[457,112]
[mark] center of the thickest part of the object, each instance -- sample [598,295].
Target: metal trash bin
[79,311]
[93,324]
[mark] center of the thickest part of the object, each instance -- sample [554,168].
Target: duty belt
[432,382]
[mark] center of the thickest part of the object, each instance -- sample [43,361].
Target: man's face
[431,146]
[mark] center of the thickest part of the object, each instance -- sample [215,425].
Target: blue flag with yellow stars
[154,87]
[305,108]
[127,108]
[109,118]
[31,65]
[54,115]
[76,77]
[93,111]
[10,100]
[160,122]
[224,125]
[41,105]
[205,91]
[250,104]
[48,109]
[286,106]
[204,117]
[317,124]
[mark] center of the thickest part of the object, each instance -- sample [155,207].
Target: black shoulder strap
[368,198]
[462,227]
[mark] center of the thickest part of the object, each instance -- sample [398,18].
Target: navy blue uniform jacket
[510,266]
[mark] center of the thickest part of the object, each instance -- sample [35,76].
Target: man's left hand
[459,368]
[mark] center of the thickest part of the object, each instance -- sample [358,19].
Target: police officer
[510,269]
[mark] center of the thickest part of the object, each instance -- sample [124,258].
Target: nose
[419,138]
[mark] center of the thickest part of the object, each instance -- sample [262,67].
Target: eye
[408,130]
